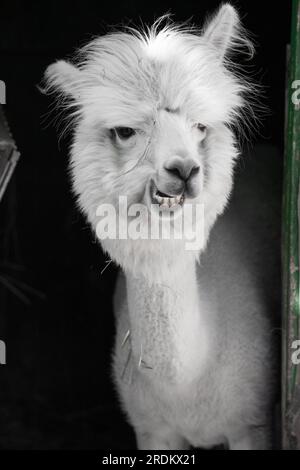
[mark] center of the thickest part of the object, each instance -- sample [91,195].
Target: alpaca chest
[170,344]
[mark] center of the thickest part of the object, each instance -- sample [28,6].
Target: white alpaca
[153,114]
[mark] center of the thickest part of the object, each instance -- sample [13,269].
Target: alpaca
[154,117]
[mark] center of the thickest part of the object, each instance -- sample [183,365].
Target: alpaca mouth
[165,201]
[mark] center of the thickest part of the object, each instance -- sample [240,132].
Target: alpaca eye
[124,133]
[201,127]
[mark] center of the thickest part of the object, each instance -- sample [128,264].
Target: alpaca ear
[220,31]
[63,77]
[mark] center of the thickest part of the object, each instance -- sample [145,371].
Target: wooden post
[291,251]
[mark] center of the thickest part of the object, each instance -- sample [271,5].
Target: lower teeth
[169,202]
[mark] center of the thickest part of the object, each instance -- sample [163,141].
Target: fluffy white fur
[193,370]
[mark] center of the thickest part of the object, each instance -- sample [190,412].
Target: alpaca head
[152,118]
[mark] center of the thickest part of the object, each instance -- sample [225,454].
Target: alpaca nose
[182,168]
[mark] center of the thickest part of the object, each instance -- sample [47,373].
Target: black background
[55,391]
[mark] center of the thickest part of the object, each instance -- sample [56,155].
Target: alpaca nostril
[184,169]
[194,171]
[175,171]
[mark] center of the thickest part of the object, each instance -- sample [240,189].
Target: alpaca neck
[169,334]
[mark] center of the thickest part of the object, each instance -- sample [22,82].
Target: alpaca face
[170,152]
[152,116]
